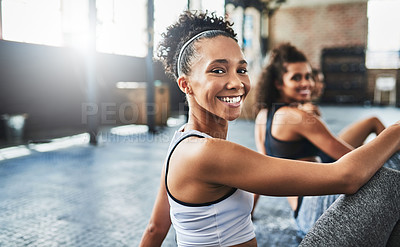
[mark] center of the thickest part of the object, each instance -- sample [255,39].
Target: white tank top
[224,222]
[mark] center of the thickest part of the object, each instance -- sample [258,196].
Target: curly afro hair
[189,25]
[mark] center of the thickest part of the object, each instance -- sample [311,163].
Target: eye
[218,71]
[308,77]
[242,71]
[296,78]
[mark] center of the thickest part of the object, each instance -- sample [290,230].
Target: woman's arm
[295,122]
[356,133]
[217,161]
[160,220]
[260,130]
[349,138]
[259,136]
[310,108]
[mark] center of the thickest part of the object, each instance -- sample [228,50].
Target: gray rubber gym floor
[60,194]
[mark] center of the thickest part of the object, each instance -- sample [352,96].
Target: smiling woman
[217,84]
[289,126]
[207,182]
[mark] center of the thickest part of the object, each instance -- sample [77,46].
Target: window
[122,27]
[164,16]
[121,24]
[217,6]
[33,21]
[383,34]
[75,23]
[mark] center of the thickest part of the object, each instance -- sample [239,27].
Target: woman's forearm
[362,163]
[160,221]
[153,236]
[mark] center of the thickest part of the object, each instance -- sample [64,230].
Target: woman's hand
[310,108]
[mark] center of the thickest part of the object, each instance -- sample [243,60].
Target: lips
[305,92]
[233,101]
[229,99]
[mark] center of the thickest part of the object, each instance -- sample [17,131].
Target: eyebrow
[301,74]
[225,61]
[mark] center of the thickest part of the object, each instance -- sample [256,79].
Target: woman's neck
[211,125]
[284,100]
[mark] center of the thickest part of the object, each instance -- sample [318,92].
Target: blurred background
[87,114]
[75,66]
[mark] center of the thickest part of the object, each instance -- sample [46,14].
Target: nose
[235,82]
[307,82]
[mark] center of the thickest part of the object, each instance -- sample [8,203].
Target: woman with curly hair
[289,126]
[207,182]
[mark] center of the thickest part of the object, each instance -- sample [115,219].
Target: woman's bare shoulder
[195,150]
[291,115]
[200,157]
[194,147]
[261,117]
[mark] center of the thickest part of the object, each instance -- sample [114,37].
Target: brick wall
[312,28]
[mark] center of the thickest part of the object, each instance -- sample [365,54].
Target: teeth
[230,99]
